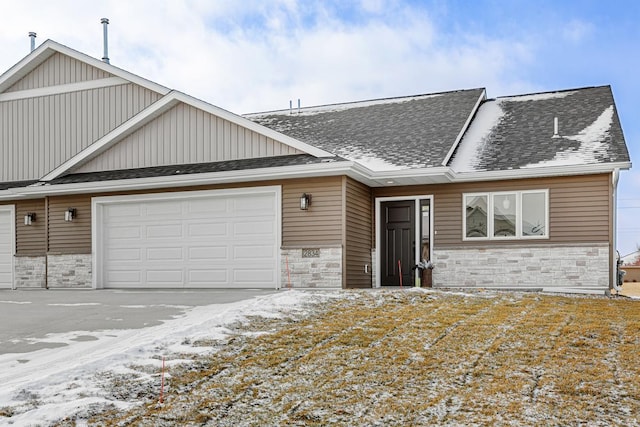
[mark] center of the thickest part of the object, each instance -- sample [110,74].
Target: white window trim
[490,221]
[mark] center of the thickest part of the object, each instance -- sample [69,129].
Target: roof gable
[517,132]
[162,106]
[51,53]
[386,134]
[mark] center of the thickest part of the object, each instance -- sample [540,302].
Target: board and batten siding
[31,239]
[58,69]
[358,242]
[579,209]
[184,135]
[38,134]
[70,237]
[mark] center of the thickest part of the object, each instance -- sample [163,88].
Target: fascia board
[264,174]
[246,123]
[538,172]
[49,47]
[481,98]
[145,116]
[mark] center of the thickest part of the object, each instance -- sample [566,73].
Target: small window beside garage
[506,215]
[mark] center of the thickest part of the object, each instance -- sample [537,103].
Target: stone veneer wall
[533,266]
[29,271]
[69,271]
[312,267]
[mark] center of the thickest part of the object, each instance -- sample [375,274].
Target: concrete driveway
[27,316]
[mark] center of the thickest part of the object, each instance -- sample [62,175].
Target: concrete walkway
[630,289]
[28,316]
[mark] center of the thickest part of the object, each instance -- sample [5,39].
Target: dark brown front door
[398,242]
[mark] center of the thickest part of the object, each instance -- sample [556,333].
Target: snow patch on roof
[368,159]
[537,96]
[592,141]
[476,137]
[332,108]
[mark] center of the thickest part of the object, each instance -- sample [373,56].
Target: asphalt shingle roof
[16,184]
[185,169]
[518,132]
[396,133]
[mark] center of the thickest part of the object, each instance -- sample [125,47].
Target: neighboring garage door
[7,246]
[199,239]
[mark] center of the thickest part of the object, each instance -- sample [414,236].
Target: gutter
[186,180]
[352,169]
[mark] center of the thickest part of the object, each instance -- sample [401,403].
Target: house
[108,180]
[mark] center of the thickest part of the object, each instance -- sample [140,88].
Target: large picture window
[506,215]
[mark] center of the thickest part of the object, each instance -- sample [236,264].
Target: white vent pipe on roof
[105,22]
[32,36]
[555,128]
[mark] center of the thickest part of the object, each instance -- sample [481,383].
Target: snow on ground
[41,387]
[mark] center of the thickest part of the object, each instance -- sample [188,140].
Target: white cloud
[252,56]
[577,31]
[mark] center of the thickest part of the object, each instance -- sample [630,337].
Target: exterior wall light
[305,201]
[29,218]
[69,214]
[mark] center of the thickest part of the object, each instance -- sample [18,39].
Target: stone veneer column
[533,266]
[69,271]
[311,267]
[29,271]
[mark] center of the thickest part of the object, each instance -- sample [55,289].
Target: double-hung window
[506,215]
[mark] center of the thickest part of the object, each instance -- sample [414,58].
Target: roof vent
[555,128]
[105,22]
[32,36]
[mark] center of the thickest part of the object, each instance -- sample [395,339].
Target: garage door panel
[203,239]
[124,254]
[162,208]
[121,277]
[163,231]
[6,248]
[207,206]
[120,211]
[216,276]
[158,254]
[167,276]
[207,230]
[209,253]
[124,232]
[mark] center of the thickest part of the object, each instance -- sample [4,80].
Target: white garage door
[212,239]
[7,246]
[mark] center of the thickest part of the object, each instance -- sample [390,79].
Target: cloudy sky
[251,55]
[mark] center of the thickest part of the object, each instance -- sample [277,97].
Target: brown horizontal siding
[70,237]
[31,239]
[579,208]
[358,234]
[322,223]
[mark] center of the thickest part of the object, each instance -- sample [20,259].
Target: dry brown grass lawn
[417,358]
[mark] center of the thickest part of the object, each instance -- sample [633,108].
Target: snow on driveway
[41,387]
